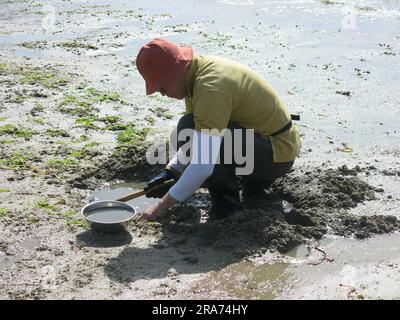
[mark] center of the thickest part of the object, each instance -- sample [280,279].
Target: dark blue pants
[223,181]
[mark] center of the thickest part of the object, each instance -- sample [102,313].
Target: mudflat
[74,118]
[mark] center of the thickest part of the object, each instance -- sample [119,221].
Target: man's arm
[204,156]
[205,152]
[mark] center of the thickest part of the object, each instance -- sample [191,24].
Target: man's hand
[159,209]
[154,188]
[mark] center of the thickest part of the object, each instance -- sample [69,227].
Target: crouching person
[235,125]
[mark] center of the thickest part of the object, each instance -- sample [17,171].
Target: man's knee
[271,171]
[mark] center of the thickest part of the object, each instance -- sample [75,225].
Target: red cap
[161,61]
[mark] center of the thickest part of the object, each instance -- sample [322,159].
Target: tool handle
[140,193]
[132,195]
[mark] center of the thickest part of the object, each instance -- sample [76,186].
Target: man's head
[162,65]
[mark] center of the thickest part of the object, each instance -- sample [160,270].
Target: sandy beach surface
[75,123]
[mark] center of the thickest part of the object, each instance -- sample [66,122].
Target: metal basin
[108,216]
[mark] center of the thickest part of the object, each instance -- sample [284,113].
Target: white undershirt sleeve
[178,161]
[205,154]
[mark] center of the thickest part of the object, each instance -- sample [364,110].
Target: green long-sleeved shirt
[219,90]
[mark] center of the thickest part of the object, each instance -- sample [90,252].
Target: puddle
[310,36]
[361,269]
[29,245]
[121,189]
[304,251]
[299,252]
[245,280]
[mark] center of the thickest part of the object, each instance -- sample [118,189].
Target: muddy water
[24,249]
[360,270]
[356,270]
[302,252]
[247,280]
[118,190]
[105,215]
[308,50]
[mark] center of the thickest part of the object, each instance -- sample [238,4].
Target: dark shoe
[224,191]
[218,213]
[224,207]
[253,192]
[254,188]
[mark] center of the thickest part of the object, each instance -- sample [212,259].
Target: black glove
[154,188]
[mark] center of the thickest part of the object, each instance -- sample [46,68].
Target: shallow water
[27,247]
[109,215]
[118,190]
[367,269]
[325,43]
[361,269]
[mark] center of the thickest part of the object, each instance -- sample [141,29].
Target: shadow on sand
[188,246]
[95,239]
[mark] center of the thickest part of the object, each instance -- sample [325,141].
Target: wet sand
[74,118]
